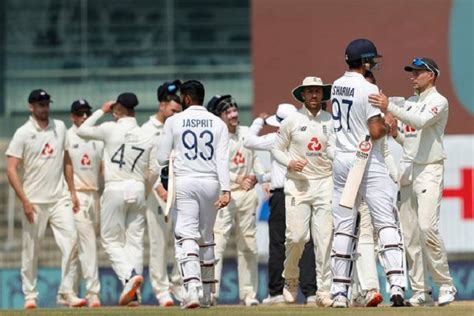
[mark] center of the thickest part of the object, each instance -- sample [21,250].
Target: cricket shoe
[274,300]
[290,290]
[421,299]
[340,300]
[397,296]
[446,295]
[165,299]
[71,300]
[30,303]
[130,289]
[193,297]
[323,300]
[178,291]
[93,301]
[251,301]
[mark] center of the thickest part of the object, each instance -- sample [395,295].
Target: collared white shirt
[200,141]
[86,157]
[304,136]
[424,119]
[351,110]
[126,147]
[42,155]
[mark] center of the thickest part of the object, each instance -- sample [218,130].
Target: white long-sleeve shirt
[154,128]
[266,143]
[200,141]
[424,119]
[304,136]
[126,147]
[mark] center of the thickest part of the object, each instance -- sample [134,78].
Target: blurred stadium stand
[98,49]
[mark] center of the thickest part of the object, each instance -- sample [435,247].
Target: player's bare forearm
[69,176]
[14,179]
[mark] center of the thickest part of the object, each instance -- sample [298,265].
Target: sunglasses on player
[420,63]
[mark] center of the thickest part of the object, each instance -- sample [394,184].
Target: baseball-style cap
[361,48]
[310,82]
[423,63]
[39,95]
[284,110]
[80,104]
[128,100]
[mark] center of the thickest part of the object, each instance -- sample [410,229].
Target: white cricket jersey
[200,141]
[86,156]
[126,147]
[304,136]
[42,155]
[351,110]
[266,143]
[242,161]
[424,118]
[154,127]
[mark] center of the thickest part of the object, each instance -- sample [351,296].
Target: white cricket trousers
[122,227]
[86,221]
[159,234]
[366,277]
[194,215]
[241,214]
[419,213]
[60,217]
[378,192]
[308,209]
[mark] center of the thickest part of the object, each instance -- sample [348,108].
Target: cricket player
[305,146]
[277,219]
[354,118]
[37,147]
[244,166]
[159,231]
[424,118]
[200,164]
[123,206]
[366,288]
[86,158]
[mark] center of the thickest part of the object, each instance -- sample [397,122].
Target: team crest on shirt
[303,128]
[47,151]
[239,159]
[85,161]
[434,110]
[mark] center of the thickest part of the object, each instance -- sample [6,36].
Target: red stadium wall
[292,39]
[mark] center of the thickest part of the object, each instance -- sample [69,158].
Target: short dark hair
[354,64]
[193,89]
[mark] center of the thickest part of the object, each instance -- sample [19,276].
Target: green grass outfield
[464,308]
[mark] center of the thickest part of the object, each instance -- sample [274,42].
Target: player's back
[197,137]
[126,152]
[351,110]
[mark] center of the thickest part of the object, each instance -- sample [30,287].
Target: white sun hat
[313,82]
[283,111]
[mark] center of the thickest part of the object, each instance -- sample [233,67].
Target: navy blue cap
[39,95]
[423,63]
[128,100]
[80,104]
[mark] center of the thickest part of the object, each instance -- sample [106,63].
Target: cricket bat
[354,178]
[171,188]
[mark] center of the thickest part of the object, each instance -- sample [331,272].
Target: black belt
[276,190]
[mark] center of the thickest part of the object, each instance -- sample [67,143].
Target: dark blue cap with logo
[128,100]
[39,95]
[361,48]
